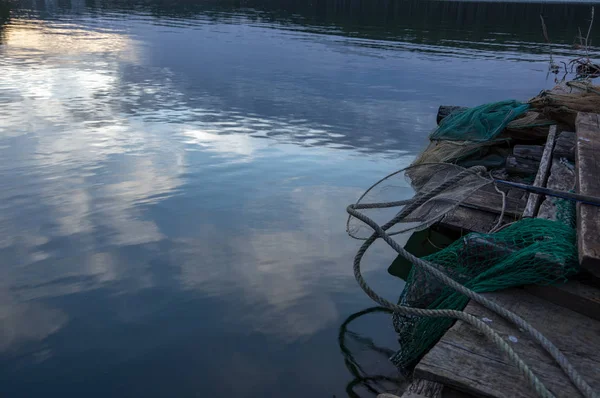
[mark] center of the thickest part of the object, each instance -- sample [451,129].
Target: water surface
[174,176]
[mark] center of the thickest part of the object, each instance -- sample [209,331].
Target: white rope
[496,227]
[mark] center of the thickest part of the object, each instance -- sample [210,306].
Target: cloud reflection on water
[95,151]
[173,181]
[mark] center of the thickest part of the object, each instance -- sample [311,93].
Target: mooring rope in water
[380,232]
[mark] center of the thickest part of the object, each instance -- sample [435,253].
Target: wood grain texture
[565,146]
[464,359]
[587,160]
[573,295]
[466,220]
[562,178]
[420,388]
[521,166]
[534,200]
[490,200]
[531,134]
[533,152]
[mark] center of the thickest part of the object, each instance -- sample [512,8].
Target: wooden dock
[464,363]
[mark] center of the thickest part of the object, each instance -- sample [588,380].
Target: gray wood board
[521,166]
[533,152]
[534,200]
[471,220]
[466,360]
[573,295]
[587,160]
[488,199]
[565,146]
[531,134]
[420,388]
[561,178]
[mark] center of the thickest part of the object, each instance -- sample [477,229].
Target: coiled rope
[380,232]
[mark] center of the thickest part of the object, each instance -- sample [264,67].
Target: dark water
[174,174]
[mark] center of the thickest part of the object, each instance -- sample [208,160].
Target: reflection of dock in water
[372,383]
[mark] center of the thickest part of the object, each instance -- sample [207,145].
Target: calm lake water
[174,176]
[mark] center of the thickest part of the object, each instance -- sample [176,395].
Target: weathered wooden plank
[487,200]
[534,200]
[531,134]
[565,146]
[420,388]
[521,166]
[573,295]
[533,152]
[466,360]
[587,160]
[466,220]
[562,178]
[518,194]
[479,212]
[445,110]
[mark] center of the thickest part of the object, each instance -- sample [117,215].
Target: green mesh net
[530,251]
[482,123]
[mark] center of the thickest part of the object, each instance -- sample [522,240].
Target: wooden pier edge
[568,315]
[467,361]
[587,165]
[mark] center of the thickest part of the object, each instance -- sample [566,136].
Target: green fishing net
[530,251]
[481,123]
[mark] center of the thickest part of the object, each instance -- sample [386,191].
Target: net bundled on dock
[473,131]
[479,124]
[530,251]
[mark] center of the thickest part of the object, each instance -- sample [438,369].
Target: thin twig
[551,67]
[587,38]
[544,31]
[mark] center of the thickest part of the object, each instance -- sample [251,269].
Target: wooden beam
[587,161]
[466,360]
[565,146]
[561,178]
[420,388]
[521,166]
[533,152]
[465,220]
[534,200]
[491,201]
[573,295]
[446,110]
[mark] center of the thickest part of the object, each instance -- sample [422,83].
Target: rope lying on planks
[435,270]
[422,177]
